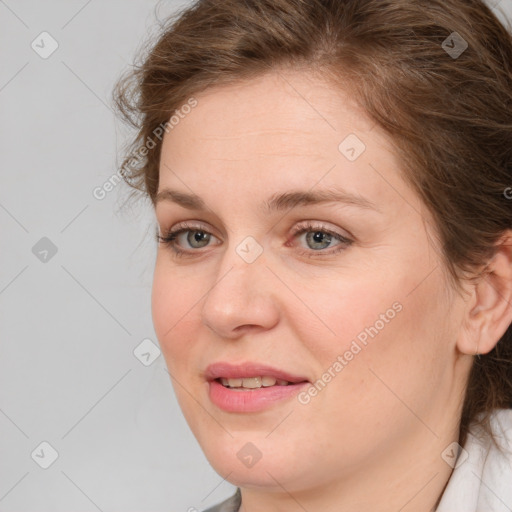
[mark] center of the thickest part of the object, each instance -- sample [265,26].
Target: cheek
[172,306]
[347,310]
[373,331]
[398,348]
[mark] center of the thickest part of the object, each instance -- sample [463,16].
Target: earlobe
[490,309]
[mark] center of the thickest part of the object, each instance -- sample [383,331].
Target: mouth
[250,387]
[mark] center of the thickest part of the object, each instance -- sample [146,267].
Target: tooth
[251,382]
[268,381]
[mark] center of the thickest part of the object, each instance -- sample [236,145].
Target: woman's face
[346,293]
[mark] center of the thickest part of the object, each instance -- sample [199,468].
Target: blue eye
[318,238]
[196,238]
[186,238]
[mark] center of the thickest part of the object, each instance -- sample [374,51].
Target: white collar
[483,481]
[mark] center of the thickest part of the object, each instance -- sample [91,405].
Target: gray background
[70,321]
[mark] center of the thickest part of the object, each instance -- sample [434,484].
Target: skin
[372,439]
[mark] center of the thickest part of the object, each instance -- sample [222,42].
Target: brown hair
[446,108]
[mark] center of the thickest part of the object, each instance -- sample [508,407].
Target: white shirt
[483,482]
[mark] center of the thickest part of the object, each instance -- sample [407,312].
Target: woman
[333,285]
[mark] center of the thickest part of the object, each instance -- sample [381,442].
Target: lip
[235,371]
[251,400]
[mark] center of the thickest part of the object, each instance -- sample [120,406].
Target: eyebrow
[277,202]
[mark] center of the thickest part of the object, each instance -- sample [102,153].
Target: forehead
[281,131]
[278,110]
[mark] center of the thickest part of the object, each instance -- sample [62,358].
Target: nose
[241,298]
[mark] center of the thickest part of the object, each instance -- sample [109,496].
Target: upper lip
[233,371]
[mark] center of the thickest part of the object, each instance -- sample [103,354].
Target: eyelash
[169,239]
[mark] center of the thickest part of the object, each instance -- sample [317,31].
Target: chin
[255,464]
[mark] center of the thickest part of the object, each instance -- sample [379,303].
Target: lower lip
[251,400]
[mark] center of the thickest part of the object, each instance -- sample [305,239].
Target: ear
[489,311]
